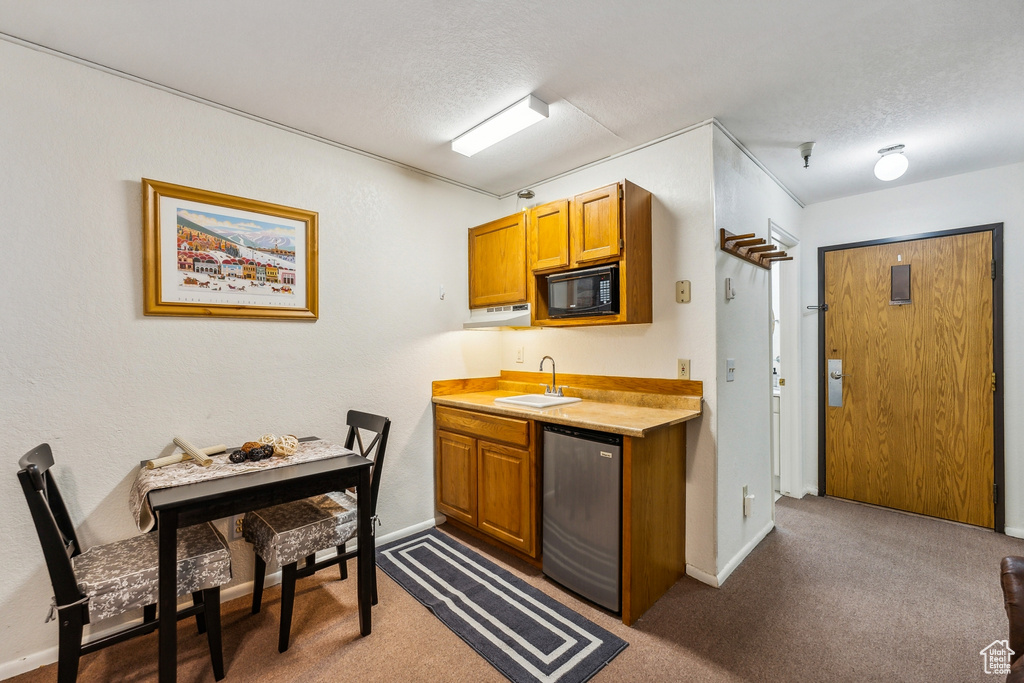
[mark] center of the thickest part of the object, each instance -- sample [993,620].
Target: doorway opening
[787,472]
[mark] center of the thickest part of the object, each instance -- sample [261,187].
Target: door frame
[998,434]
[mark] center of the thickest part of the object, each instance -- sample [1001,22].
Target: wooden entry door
[915,428]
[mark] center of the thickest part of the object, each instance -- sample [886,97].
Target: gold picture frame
[207,254]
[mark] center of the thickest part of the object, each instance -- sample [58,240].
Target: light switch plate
[520,353]
[730,369]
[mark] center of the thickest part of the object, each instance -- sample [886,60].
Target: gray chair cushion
[284,534]
[124,575]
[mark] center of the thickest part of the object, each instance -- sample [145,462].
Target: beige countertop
[628,417]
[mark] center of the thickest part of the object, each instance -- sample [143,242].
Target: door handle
[834,370]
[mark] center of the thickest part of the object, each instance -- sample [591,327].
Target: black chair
[284,534]
[110,579]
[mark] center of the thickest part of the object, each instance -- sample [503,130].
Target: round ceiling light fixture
[893,163]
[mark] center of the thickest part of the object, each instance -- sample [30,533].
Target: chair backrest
[53,524]
[374,451]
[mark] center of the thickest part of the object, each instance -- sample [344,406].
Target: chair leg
[149,613]
[211,611]
[287,602]
[310,561]
[259,576]
[70,644]
[197,599]
[343,565]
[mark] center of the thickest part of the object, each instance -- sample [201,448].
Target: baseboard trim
[716,581]
[744,551]
[1013,531]
[702,576]
[35,660]
[812,490]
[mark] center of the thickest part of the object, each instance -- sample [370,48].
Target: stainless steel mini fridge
[582,528]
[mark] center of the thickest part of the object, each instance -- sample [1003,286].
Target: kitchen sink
[537,400]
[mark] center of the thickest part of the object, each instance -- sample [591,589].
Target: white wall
[746,199]
[677,172]
[84,370]
[991,196]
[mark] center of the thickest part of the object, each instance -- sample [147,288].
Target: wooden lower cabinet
[455,462]
[504,508]
[653,517]
[483,483]
[486,475]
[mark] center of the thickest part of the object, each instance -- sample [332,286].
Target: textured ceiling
[401,79]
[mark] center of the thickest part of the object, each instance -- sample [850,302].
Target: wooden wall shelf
[751,248]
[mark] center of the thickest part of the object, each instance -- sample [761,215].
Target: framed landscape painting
[211,254]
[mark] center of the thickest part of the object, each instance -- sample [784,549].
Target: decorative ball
[286,445]
[249,445]
[280,445]
[237,456]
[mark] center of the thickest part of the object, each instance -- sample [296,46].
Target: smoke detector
[805,152]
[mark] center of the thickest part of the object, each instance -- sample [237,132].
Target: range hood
[494,317]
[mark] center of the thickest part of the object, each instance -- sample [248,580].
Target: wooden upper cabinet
[497,262]
[510,258]
[609,225]
[549,236]
[596,225]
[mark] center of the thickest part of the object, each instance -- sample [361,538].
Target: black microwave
[590,291]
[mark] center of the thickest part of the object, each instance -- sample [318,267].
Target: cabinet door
[549,236]
[596,228]
[455,476]
[497,262]
[506,494]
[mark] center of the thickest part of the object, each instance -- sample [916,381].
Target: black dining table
[204,501]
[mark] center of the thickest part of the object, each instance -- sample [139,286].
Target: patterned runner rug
[523,633]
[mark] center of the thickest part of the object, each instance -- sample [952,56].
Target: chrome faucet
[554,389]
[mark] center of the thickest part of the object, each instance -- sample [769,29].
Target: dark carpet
[838,592]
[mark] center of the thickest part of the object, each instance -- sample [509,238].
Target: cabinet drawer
[490,427]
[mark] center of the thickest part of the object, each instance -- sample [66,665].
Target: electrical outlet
[684,368]
[520,354]
[236,527]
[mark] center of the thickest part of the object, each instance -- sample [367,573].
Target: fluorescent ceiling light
[892,164]
[520,115]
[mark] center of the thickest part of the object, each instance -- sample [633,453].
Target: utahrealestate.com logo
[997,657]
